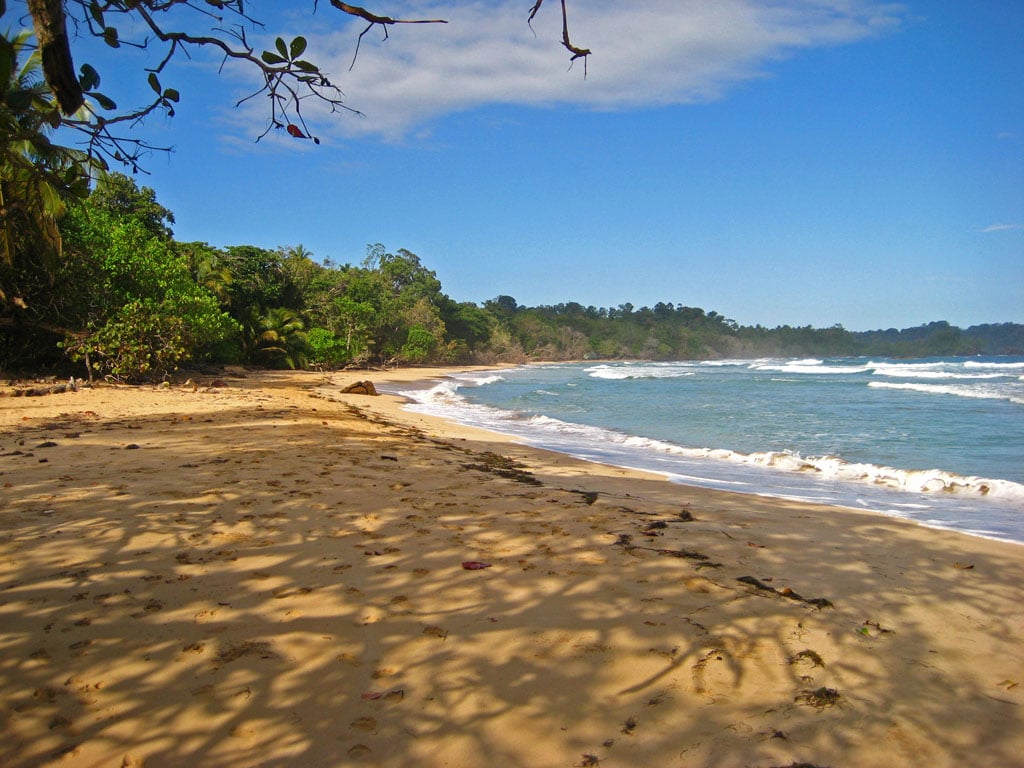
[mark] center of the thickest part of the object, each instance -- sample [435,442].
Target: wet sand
[269,573]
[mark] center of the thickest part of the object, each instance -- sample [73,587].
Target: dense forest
[127,301]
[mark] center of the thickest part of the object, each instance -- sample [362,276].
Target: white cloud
[653,53]
[1002,227]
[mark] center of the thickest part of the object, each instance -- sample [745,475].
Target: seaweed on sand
[817,602]
[807,655]
[502,466]
[820,698]
[625,541]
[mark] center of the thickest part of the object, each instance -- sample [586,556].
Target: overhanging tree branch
[288,79]
[50,26]
[576,51]
[374,20]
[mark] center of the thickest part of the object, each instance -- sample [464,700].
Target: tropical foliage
[127,301]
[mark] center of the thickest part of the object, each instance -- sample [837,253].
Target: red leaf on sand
[295,131]
[394,695]
[475,565]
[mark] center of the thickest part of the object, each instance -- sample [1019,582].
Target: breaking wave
[545,431]
[980,393]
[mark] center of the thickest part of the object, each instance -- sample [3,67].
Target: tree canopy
[288,72]
[130,302]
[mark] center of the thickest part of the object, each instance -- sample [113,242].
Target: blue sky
[795,162]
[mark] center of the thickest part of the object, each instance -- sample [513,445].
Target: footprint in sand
[78,648]
[243,732]
[360,752]
[60,722]
[367,724]
[284,592]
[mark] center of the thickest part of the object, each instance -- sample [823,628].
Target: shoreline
[437,374]
[272,573]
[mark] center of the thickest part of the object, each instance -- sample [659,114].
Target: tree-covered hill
[125,300]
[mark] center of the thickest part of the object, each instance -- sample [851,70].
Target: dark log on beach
[56,389]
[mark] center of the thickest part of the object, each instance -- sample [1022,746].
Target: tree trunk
[52,35]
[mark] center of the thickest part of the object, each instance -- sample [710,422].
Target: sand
[269,573]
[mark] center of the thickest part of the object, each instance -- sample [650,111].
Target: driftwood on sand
[55,389]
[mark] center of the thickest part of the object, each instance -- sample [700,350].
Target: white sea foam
[903,372]
[990,507]
[567,436]
[1003,366]
[480,380]
[652,371]
[725,363]
[813,370]
[978,392]
[909,366]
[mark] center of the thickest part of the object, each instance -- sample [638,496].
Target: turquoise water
[938,440]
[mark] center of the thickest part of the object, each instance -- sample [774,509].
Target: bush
[326,349]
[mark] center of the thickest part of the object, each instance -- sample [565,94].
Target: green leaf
[298,47]
[171,94]
[272,58]
[110,37]
[307,66]
[89,79]
[104,101]
[281,48]
[154,82]
[97,12]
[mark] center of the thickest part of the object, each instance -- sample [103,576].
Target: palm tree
[210,268]
[36,175]
[280,340]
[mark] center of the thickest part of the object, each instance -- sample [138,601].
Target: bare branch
[576,51]
[287,78]
[374,20]
[362,13]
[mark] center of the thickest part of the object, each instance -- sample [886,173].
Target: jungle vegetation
[128,301]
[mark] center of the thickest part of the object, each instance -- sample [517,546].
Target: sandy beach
[257,570]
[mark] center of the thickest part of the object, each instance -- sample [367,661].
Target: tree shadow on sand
[277,584]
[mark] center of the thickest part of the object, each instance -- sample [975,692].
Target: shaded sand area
[269,573]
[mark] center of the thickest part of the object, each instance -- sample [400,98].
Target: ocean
[936,440]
